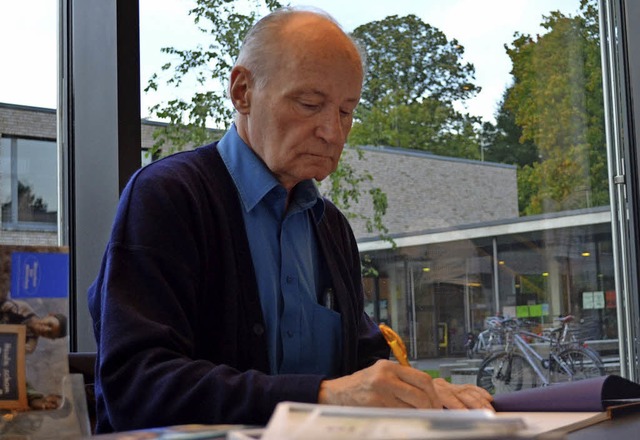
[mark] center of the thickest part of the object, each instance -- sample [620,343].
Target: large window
[497,204]
[28,184]
[496,173]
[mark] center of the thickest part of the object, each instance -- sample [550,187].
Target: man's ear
[240,89]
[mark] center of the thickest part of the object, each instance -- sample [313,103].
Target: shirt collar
[254,181]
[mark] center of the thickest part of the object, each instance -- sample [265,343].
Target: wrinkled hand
[389,384]
[462,396]
[384,384]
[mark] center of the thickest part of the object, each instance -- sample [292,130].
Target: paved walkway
[612,363]
[434,363]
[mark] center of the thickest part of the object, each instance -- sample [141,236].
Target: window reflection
[29,183]
[504,217]
[554,266]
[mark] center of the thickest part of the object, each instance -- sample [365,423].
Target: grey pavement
[434,363]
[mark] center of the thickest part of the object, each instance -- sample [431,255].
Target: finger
[474,400]
[469,396]
[479,394]
[420,391]
[448,395]
[487,395]
[399,403]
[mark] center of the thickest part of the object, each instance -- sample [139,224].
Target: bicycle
[488,340]
[521,366]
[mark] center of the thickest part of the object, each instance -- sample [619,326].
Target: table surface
[622,427]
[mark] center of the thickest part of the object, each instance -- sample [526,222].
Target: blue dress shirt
[303,336]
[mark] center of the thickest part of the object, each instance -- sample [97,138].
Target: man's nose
[330,128]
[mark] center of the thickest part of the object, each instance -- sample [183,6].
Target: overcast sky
[28,39]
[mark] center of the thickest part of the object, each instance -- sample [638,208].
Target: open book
[593,394]
[570,406]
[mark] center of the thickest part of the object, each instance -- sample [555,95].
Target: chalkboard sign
[13,385]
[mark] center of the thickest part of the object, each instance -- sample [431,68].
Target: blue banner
[39,275]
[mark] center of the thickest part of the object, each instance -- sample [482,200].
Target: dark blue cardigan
[176,310]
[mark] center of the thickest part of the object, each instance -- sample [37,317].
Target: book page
[562,422]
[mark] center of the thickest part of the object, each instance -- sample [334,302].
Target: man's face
[299,122]
[47,327]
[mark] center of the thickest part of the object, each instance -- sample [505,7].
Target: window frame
[99,145]
[621,68]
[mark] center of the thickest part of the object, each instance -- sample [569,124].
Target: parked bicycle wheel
[577,364]
[505,372]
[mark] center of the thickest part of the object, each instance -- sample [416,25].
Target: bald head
[275,36]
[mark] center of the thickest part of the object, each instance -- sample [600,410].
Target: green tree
[414,76]
[503,141]
[409,60]
[428,125]
[557,100]
[225,24]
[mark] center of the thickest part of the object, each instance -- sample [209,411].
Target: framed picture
[13,384]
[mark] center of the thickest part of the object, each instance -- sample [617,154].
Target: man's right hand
[389,384]
[384,384]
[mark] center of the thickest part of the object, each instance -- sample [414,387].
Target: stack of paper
[298,421]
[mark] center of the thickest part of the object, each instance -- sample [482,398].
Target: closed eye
[310,106]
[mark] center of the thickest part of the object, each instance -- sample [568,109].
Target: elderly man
[229,284]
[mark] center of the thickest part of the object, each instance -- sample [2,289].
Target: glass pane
[29,191]
[36,181]
[492,159]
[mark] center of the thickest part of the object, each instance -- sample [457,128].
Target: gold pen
[395,342]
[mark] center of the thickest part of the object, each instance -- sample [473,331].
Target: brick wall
[425,191]
[30,238]
[33,122]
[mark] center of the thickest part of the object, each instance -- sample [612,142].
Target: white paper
[296,421]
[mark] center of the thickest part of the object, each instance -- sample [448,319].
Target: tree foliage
[410,60]
[557,101]
[345,190]
[225,26]
[30,206]
[502,141]
[414,75]
[428,125]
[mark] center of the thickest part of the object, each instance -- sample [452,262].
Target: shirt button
[289,279]
[290,333]
[258,329]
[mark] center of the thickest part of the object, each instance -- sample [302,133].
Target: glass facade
[437,292]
